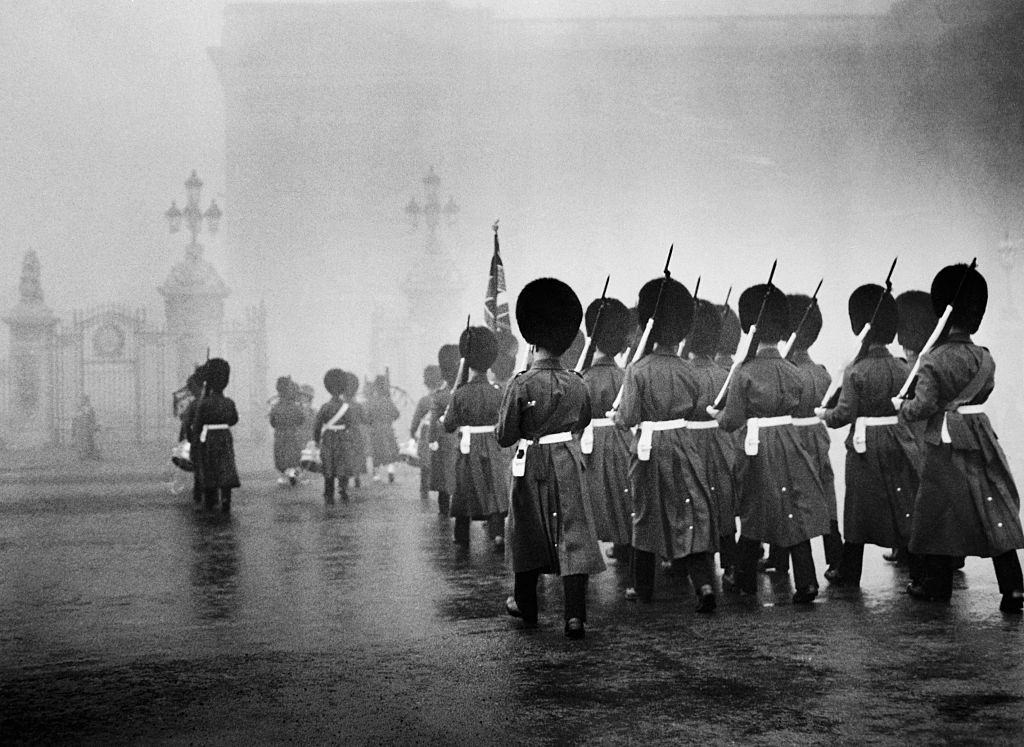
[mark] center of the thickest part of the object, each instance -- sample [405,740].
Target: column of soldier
[717,417]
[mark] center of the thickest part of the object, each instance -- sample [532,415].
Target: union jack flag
[496,304]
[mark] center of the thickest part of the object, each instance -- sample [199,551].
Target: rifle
[641,347]
[696,290]
[788,344]
[587,356]
[751,339]
[831,398]
[940,328]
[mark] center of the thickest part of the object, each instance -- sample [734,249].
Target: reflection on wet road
[127,616]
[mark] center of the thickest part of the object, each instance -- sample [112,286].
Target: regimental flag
[496,304]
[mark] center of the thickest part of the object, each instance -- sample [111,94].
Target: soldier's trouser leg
[525,593]
[938,576]
[701,567]
[748,552]
[424,482]
[462,530]
[495,526]
[804,576]
[225,499]
[852,564]
[643,566]
[444,502]
[778,558]
[1008,572]
[727,551]
[575,590]
[329,487]
[833,546]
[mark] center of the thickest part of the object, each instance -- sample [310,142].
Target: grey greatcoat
[481,476]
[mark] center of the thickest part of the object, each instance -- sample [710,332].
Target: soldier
[729,339]
[84,428]
[194,384]
[606,448]
[813,433]
[881,455]
[444,446]
[967,503]
[336,432]
[551,528]
[481,468]
[213,450]
[419,430]
[673,514]
[287,419]
[782,501]
[717,448]
[382,413]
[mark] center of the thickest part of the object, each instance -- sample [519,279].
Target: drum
[181,456]
[310,459]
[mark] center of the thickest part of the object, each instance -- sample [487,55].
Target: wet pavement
[126,616]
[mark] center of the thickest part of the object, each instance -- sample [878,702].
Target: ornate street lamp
[192,215]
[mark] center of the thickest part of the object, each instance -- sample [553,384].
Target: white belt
[812,420]
[701,425]
[214,427]
[519,460]
[754,425]
[860,426]
[963,410]
[467,432]
[333,428]
[647,429]
[587,438]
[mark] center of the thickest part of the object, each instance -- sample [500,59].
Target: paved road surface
[126,616]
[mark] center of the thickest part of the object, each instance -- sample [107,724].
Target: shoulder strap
[983,374]
[336,417]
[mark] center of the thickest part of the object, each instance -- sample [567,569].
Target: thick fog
[901,137]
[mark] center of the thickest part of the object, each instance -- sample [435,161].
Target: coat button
[791,516]
[990,498]
[898,489]
[783,488]
[1000,524]
[908,516]
[687,500]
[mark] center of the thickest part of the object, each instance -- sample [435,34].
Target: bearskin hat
[615,327]
[774,325]
[572,354]
[807,334]
[969,306]
[285,386]
[448,361]
[479,347]
[675,312]
[707,329]
[218,372]
[334,382]
[350,384]
[549,314]
[729,340]
[381,386]
[432,377]
[862,304]
[916,319]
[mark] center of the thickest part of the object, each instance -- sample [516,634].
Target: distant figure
[194,385]
[84,428]
[419,430]
[382,413]
[336,431]
[287,418]
[213,448]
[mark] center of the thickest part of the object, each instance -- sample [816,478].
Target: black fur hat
[479,347]
[572,354]
[615,327]
[217,374]
[774,324]
[917,319]
[350,384]
[863,302]
[285,386]
[549,314]
[970,304]
[675,314]
[707,329]
[334,382]
[731,333]
[808,333]
[432,377]
[448,360]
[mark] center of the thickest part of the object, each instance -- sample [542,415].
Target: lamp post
[193,215]
[432,210]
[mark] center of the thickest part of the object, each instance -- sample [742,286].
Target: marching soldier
[674,517]
[782,501]
[551,528]
[213,450]
[481,467]
[336,431]
[419,430]
[606,448]
[967,503]
[287,418]
[444,446]
[881,455]
[717,447]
